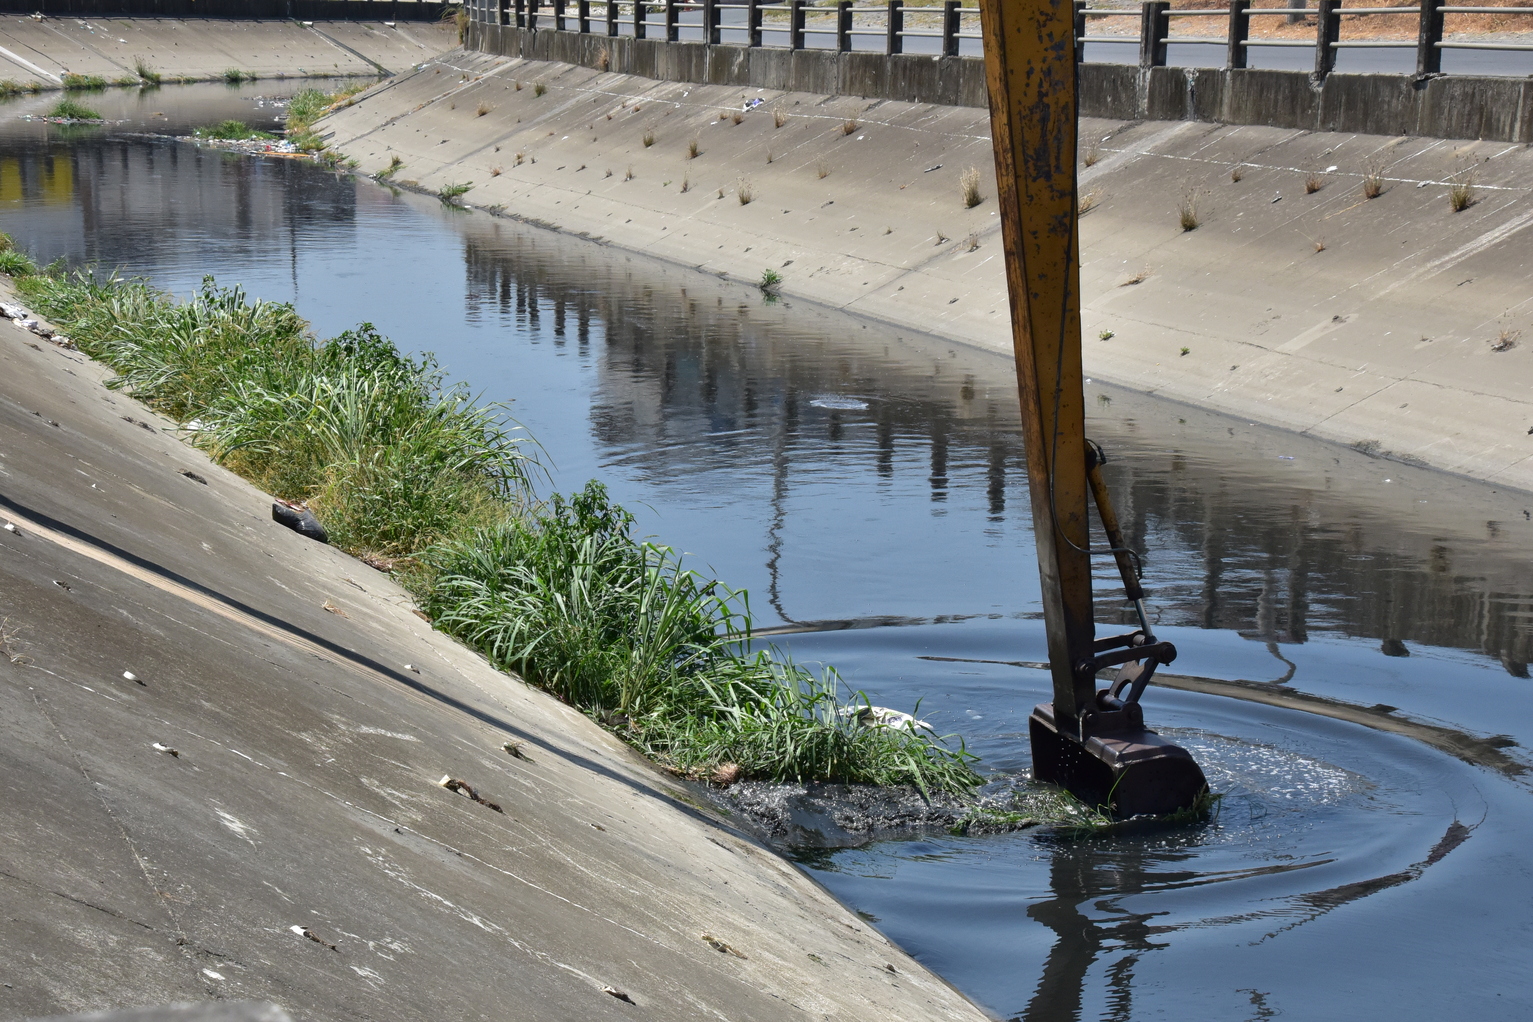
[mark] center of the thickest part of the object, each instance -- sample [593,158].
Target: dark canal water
[851,473]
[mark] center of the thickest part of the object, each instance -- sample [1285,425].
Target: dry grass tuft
[1319,244]
[744,191]
[1373,179]
[520,158]
[737,117]
[1138,278]
[496,171]
[482,109]
[1313,182]
[821,169]
[941,238]
[629,175]
[603,59]
[694,150]
[848,126]
[686,184]
[779,117]
[972,241]
[1237,172]
[1506,341]
[518,85]
[1187,210]
[1086,203]
[10,644]
[649,137]
[968,186]
[724,115]
[1461,190]
[1092,156]
[539,88]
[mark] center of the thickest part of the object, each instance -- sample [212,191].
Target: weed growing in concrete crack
[971,242]
[721,193]
[1237,172]
[73,82]
[538,88]
[968,186]
[1187,211]
[649,137]
[1138,278]
[518,85]
[10,644]
[779,117]
[609,173]
[694,150]
[724,115]
[941,238]
[745,191]
[1092,156]
[393,168]
[603,59]
[1313,182]
[1086,203]
[686,184]
[145,71]
[1373,179]
[770,280]
[821,169]
[1461,190]
[848,126]
[451,193]
[769,156]
[1106,335]
[1185,351]
[736,117]
[520,158]
[482,109]
[235,76]
[1319,244]
[629,175]
[497,170]
[1506,341]
[888,230]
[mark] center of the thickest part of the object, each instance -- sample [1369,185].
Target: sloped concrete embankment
[40,51]
[1393,324]
[222,748]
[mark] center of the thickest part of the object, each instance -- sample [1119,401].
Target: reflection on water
[863,476]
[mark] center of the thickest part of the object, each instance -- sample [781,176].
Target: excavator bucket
[1093,743]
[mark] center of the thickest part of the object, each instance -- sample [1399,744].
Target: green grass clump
[68,109]
[452,192]
[146,72]
[83,83]
[16,264]
[235,76]
[572,602]
[234,131]
[403,471]
[10,87]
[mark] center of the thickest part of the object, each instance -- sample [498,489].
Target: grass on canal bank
[416,476]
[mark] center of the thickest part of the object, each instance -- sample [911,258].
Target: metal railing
[312,10]
[950,29]
[795,25]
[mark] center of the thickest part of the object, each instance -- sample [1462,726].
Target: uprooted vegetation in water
[233,131]
[417,477]
[308,106]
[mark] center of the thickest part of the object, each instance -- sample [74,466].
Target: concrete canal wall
[1451,106]
[1394,324]
[40,51]
[296,846]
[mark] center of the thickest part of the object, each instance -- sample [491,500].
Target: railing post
[612,16]
[559,25]
[711,21]
[502,12]
[950,28]
[753,23]
[1240,31]
[521,13]
[640,20]
[844,26]
[1429,56]
[1299,6]
[896,43]
[1152,33]
[1327,30]
[672,14]
[1080,31]
[532,15]
[796,25]
[583,16]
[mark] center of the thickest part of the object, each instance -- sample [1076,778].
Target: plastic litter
[157,747]
[298,518]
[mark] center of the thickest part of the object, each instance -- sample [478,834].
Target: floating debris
[839,404]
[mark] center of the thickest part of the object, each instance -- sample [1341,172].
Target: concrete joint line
[342,46]
[24,62]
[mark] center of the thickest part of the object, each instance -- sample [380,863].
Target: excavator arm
[1091,742]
